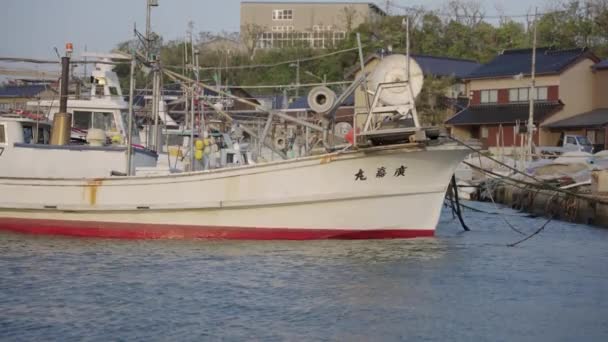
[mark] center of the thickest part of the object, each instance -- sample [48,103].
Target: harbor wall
[592,209]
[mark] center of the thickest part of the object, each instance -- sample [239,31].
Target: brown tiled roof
[595,118]
[504,113]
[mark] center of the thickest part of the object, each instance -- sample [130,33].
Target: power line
[480,16]
[52,61]
[270,65]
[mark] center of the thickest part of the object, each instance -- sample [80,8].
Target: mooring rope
[538,182]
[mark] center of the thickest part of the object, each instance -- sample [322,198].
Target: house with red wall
[499,96]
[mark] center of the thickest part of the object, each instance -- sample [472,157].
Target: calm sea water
[455,287]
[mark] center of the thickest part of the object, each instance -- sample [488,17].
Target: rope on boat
[456,209]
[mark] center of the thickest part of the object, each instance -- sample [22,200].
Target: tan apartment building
[566,87]
[315,24]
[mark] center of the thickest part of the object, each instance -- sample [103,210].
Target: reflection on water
[457,286]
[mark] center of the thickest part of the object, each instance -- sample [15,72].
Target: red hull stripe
[119,230]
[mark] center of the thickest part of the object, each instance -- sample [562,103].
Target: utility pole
[532,92]
[85,63]
[298,78]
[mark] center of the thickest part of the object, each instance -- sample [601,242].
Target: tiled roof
[430,65]
[275,100]
[601,65]
[595,118]
[503,113]
[21,91]
[445,66]
[515,62]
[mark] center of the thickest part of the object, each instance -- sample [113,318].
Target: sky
[32,28]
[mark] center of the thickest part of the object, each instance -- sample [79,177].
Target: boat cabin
[25,152]
[103,108]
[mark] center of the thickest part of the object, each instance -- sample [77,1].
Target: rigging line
[303,85]
[539,183]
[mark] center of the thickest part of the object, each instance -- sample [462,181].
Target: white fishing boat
[382,192]
[389,183]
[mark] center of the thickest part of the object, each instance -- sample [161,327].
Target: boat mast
[193,90]
[155,73]
[130,118]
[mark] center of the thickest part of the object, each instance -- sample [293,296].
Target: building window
[484,132]
[2,135]
[542,93]
[283,28]
[521,94]
[513,95]
[290,38]
[489,96]
[282,14]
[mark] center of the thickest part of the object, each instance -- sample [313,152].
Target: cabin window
[43,136]
[28,134]
[2,135]
[570,140]
[82,120]
[85,120]
[113,91]
[104,121]
[99,90]
[125,122]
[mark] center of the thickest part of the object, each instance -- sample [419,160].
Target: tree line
[460,29]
